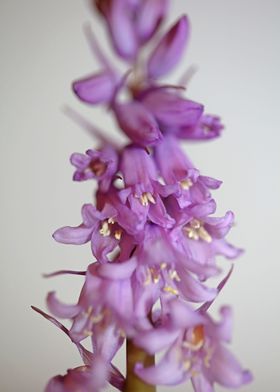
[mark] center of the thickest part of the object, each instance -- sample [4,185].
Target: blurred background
[235,45]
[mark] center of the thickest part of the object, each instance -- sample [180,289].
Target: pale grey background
[236,45]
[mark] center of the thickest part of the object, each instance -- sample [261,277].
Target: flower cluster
[151,230]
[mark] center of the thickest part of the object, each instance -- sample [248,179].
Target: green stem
[133,355]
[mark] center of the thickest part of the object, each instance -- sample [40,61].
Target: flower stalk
[136,355]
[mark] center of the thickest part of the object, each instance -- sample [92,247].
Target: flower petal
[60,309]
[226,370]
[73,235]
[169,50]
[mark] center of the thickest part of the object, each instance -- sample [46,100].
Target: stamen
[195,231]
[105,231]
[148,279]
[163,266]
[87,333]
[111,221]
[186,184]
[174,275]
[147,197]
[118,234]
[187,364]
[98,167]
[96,319]
[197,339]
[171,290]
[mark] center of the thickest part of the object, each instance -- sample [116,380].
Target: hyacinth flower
[152,228]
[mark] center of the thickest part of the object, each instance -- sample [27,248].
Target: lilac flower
[192,187]
[97,227]
[96,164]
[169,50]
[171,110]
[141,187]
[197,353]
[209,127]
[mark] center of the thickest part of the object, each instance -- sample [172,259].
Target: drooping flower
[197,352]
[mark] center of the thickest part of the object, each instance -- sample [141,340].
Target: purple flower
[138,123]
[98,164]
[192,188]
[142,190]
[97,227]
[197,351]
[169,50]
[171,110]
[209,127]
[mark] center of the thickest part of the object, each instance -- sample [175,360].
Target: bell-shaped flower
[198,351]
[98,227]
[169,50]
[208,127]
[162,273]
[100,165]
[201,238]
[137,123]
[142,189]
[171,110]
[95,373]
[97,88]
[104,309]
[192,188]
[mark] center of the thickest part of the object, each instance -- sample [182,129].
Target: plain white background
[236,46]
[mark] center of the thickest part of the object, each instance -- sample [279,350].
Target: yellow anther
[196,231]
[118,234]
[171,290]
[105,231]
[88,311]
[174,275]
[148,279]
[96,319]
[197,339]
[151,198]
[163,266]
[87,333]
[147,198]
[204,235]
[186,184]
[187,364]
[111,221]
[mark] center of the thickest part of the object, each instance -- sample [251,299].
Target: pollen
[87,333]
[171,290]
[98,167]
[105,230]
[186,184]
[96,319]
[118,234]
[147,198]
[174,275]
[195,231]
[197,339]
